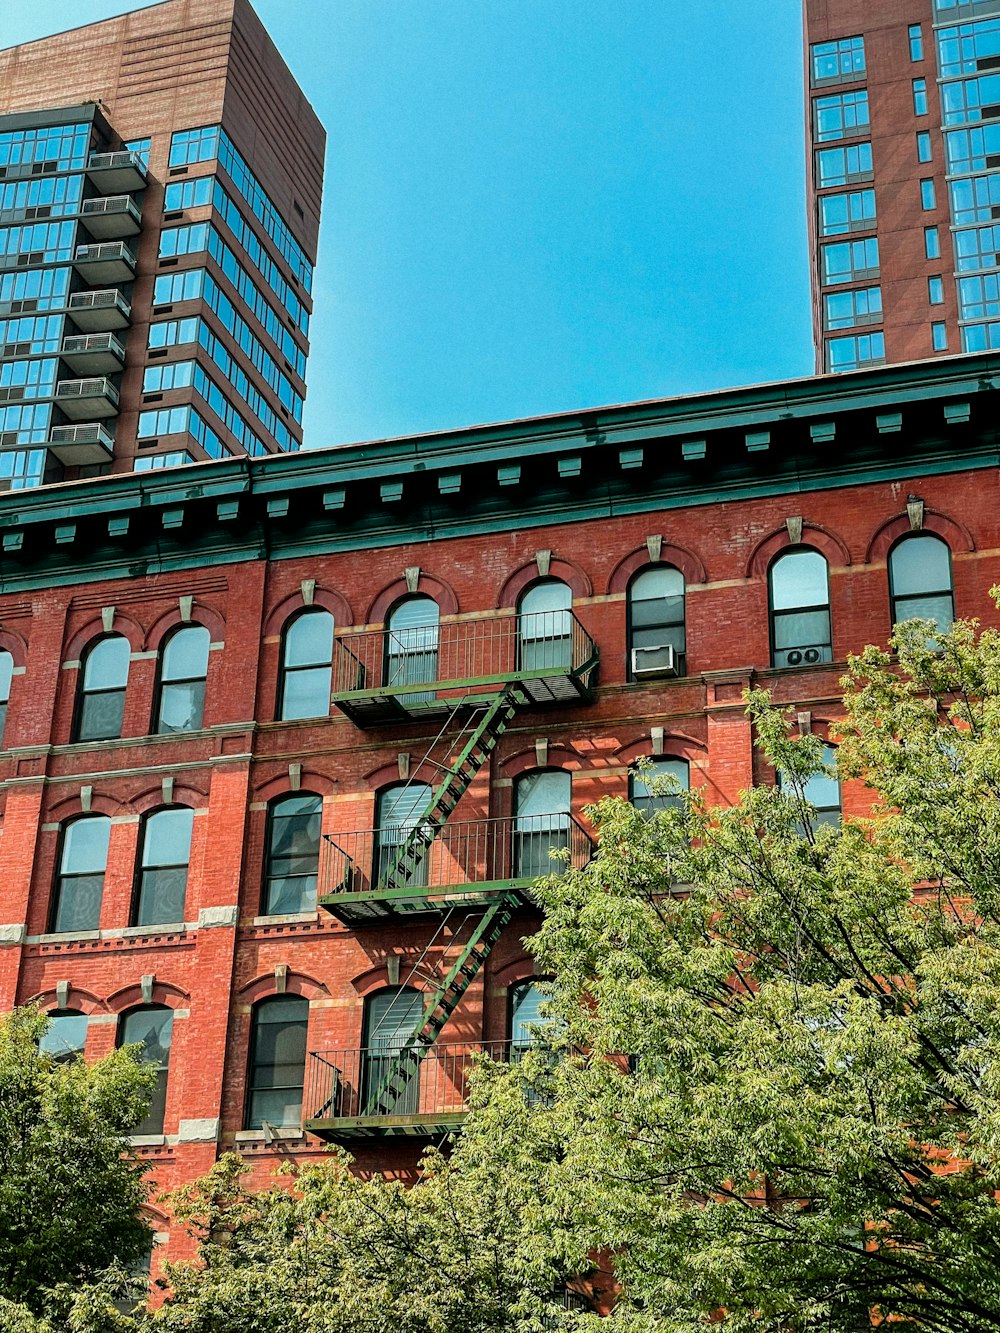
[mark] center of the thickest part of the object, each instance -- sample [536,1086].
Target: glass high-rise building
[903,128]
[160,188]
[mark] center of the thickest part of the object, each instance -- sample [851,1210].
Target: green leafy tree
[70,1190]
[780,1099]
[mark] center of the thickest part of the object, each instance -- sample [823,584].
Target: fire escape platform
[384,904]
[351,1129]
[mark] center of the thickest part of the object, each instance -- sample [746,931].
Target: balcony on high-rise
[122,172]
[87,399]
[101,311]
[105,263]
[88,354]
[111,218]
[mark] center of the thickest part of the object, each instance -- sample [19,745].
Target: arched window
[411,645]
[6,676]
[79,887]
[542,803]
[291,869]
[656,637]
[163,867]
[920,584]
[277,1061]
[100,705]
[307,666]
[800,609]
[397,814]
[822,790]
[642,781]
[391,1018]
[65,1036]
[545,627]
[151,1026]
[180,704]
[525,997]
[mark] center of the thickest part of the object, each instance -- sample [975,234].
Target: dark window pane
[277,1062]
[151,1026]
[79,903]
[800,629]
[101,716]
[642,782]
[294,825]
[162,894]
[65,1036]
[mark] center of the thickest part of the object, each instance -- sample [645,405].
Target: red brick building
[313,912]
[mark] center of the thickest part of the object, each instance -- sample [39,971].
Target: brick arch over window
[828,544]
[427,586]
[566,571]
[526,760]
[131,997]
[94,629]
[201,614]
[376,979]
[85,1001]
[265,987]
[670,556]
[956,535]
[16,645]
[153,797]
[387,775]
[281,785]
[100,804]
[324,599]
[675,746]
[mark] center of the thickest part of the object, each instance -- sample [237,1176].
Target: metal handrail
[121,158]
[342,1084]
[451,653]
[112,203]
[84,432]
[106,250]
[96,387]
[460,853]
[92,342]
[110,296]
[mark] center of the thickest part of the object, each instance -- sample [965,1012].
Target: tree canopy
[71,1192]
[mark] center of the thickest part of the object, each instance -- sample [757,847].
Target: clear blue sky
[540,205]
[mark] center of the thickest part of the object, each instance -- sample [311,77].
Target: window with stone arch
[100,702]
[151,1027]
[162,873]
[79,881]
[920,580]
[656,617]
[306,666]
[180,693]
[277,1062]
[545,627]
[412,636]
[799,594]
[292,856]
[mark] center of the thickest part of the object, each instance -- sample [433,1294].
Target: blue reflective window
[968,47]
[916,39]
[939,336]
[932,243]
[849,261]
[843,166]
[920,97]
[928,195]
[840,59]
[840,116]
[865,349]
[842,213]
[844,310]
[935,290]
[925,151]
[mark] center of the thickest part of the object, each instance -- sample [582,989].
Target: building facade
[285,741]
[903,171]
[160,188]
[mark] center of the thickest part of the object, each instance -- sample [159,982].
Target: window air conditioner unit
[660,660]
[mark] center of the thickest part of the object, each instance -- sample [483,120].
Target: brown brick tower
[903,152]
[160,187]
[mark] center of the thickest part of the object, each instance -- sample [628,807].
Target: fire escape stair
[442,1004]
